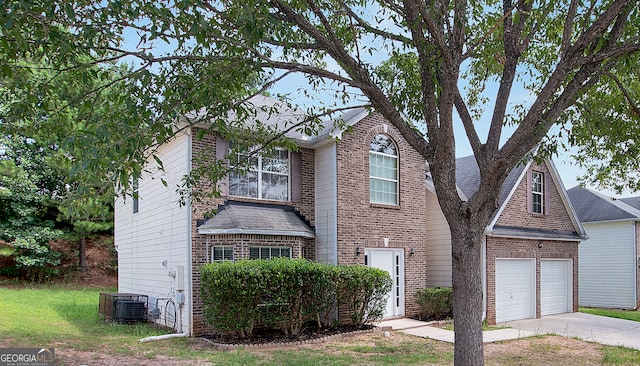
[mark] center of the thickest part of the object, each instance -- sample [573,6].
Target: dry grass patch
[544,350]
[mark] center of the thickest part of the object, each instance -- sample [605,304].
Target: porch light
[358,250]
[412,251]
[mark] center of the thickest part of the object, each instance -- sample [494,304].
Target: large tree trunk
[466,246]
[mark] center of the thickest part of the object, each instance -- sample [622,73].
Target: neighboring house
[610,258]
[530,252]
[356,197]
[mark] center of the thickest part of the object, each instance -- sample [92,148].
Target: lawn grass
[67,320]
[35,317]
[614,313]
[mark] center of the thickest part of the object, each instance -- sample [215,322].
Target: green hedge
[286,294]
[436,302]
[363,291]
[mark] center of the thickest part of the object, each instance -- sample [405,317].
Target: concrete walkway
[592,328]
[427,330]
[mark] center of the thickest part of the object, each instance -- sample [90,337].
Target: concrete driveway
[593,328]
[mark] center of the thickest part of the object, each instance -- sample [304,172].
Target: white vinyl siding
[326,192]
[439,264]
[607,266]
[159,232]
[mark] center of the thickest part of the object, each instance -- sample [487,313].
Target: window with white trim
[537,192]
[269,252]
[263,176]
[383,170]
[221,253]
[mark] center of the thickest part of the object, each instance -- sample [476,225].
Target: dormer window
[264,176]
[383,170]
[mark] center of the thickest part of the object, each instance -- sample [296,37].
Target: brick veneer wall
[523,248]
[199,247]
[517,214]
[241,244]
[361,223]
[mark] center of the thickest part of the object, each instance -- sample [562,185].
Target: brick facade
[364,224]
[201,244]
[517,214]
[523,248]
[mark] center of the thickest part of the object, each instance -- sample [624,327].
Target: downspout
[164,336]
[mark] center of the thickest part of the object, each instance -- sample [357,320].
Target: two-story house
[355,196]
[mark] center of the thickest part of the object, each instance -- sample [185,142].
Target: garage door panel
[515,289]
[555,289]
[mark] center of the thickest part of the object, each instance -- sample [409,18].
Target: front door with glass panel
[391,261]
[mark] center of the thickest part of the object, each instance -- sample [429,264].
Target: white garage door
[555,289]
[515,289]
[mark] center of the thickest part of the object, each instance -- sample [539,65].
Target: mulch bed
[269,338]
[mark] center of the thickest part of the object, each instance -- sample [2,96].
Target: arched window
[383,170]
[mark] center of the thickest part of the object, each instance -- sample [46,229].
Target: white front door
[392,261]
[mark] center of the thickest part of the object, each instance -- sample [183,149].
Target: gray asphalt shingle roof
[247,218]
[468,177]
[632,201]
[592,206]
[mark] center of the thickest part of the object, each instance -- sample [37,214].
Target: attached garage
[555,286]
[515,289]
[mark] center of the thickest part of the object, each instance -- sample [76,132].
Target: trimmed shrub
[287,294]
[297,292]
[231,293]
[363,290]
[436,302]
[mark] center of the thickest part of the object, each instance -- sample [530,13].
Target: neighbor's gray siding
[607,266]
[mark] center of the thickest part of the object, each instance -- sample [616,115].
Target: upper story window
[383,170]
[537,192]
[267,176]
